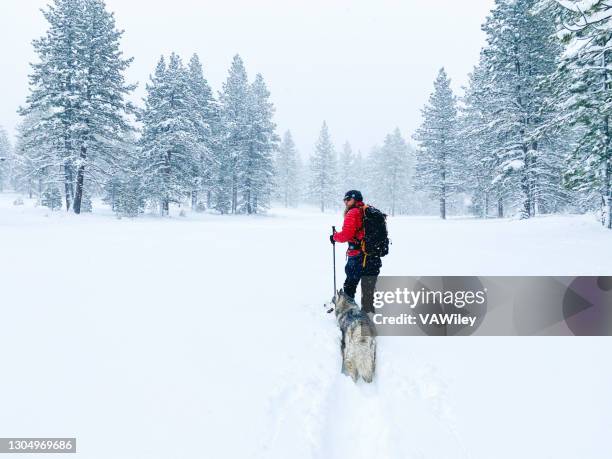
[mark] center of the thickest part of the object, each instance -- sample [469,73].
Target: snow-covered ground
[205,336]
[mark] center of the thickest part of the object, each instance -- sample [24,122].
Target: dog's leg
[368,360]
[350,356]
[343,353]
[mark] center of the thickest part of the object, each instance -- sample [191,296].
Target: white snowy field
[205,336]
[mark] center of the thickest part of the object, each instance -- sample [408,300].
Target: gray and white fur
[358,338]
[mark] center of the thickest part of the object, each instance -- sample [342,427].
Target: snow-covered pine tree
[79,86]
[125,183]
[130,199]
[256,169]
[481,145]
[35,163]
[105,108]
[54,86]
[235,131]
[170,140]
[519,55]
[126,192]
[206,113]
[438,156]
[287,171]
[360,171]
[350,178]
[391,168]
[6,159]
[51,197]
[323,171]
[583,95]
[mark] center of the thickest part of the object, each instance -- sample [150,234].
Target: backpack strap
[365,254]
[362,244]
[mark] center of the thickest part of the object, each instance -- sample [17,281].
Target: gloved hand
[331,239]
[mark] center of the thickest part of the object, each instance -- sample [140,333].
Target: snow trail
[317,412]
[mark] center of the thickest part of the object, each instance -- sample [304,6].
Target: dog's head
[343,303]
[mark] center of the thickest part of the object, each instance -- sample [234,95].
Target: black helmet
[354,194]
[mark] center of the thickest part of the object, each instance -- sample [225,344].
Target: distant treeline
[529,136]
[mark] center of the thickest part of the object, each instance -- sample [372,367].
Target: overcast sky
[364,66]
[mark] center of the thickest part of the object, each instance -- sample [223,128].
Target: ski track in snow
[321,413]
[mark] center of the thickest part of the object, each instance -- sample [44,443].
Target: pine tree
[125,191]
[86,203]
[360,171]
[79,86]
[391,172]
[6,159]
[131,152]
[235,118]
[323,171]
[350,178]
[520,54]
[583,92]
[481,145]
[256,168]
[171,149]
[54,86]
[36,166]
[206,113]
[438,161]
[287,171]
[52,198]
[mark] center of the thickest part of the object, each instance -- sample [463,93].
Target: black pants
[355,272]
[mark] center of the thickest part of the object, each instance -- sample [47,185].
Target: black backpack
[376,239]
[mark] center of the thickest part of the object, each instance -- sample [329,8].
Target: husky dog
[358,338]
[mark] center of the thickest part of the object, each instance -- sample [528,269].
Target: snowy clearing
[206,335]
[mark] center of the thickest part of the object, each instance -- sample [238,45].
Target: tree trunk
[393,198]
[500,208]
[525,188]
[165,207]
[249,207]
[234,196]
[485,206]
[608,193]
[533,188]
[114,197]
[68,186]
[78,197]
[443,197]
[194,200]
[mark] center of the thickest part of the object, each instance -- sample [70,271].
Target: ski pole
[334,253]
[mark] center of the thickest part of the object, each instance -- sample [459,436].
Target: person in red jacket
[353,233]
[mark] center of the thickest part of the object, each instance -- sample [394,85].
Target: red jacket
[352,228]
